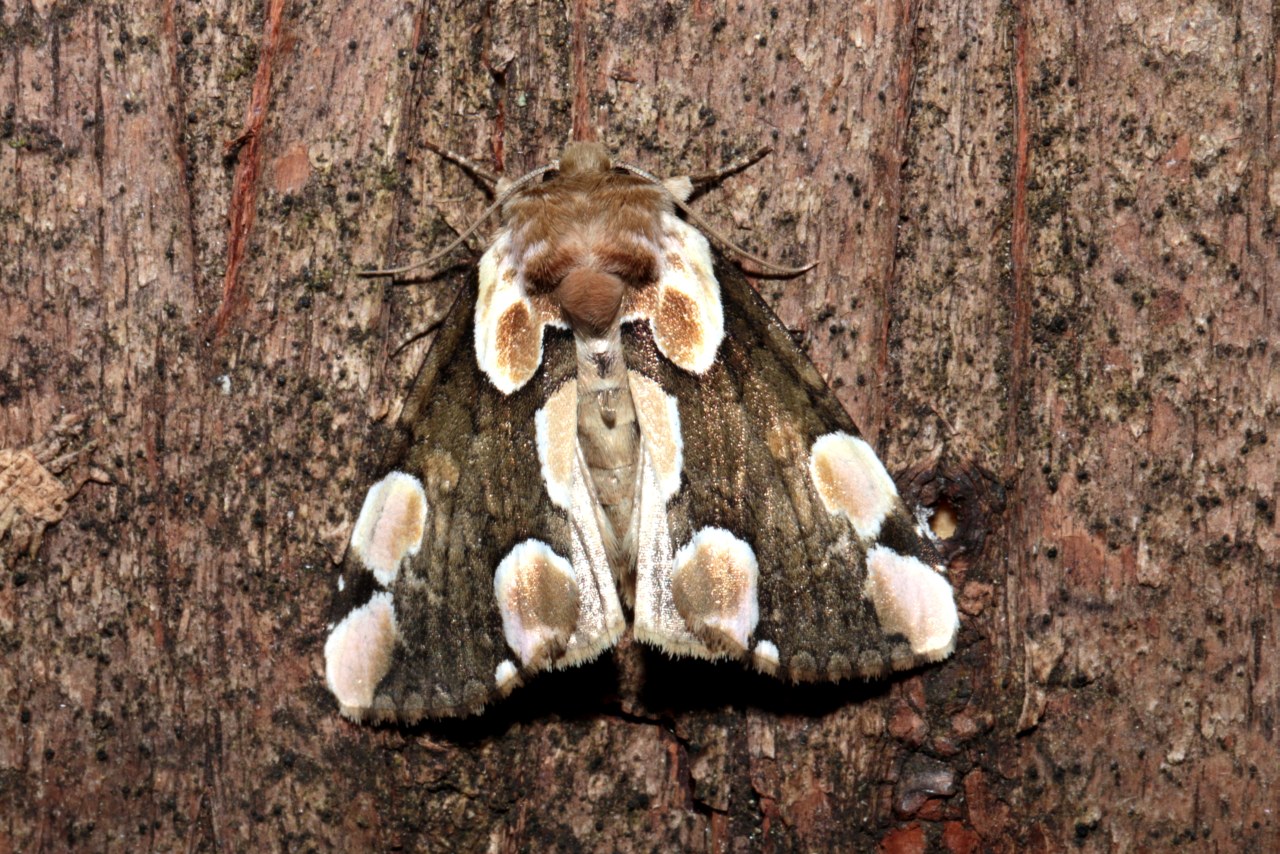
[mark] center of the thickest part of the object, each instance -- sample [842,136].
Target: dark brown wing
[429,642]
[749,427]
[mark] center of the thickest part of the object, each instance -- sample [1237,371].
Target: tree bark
[1046,291]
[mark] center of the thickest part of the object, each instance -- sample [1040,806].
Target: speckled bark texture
[1047,292]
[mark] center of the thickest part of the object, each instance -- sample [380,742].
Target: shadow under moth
[611,422]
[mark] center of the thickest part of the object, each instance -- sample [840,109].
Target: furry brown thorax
[588,237]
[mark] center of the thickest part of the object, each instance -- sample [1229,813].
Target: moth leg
[734,167]
[472,168]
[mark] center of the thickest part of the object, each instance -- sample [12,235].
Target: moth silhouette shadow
[674,685]
[637,681]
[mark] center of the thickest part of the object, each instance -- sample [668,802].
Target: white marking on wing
[390,525]
[556,431]
[538,599]
[600,620]
[851,481]
[913,600]
[358,653]
[659,416]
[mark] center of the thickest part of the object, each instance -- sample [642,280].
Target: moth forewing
[612,420]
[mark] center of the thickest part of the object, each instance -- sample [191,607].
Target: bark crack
[1019,346]
[244,194]
[1020,239]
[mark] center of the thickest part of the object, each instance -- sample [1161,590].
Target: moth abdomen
[608,439]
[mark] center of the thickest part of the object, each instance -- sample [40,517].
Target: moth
[611,423]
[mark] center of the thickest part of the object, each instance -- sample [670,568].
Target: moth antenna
[738,250]
[483,175]
[409,268]
[707,227]
[488,212]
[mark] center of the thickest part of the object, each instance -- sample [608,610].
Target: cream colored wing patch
[700,600]
[659,418]
[538,599]
[851,481]
[358,654]
[912,600]
[509,325]
[556,434]
[657,621]
[359,649]
[658,618]
[599,619]
[390,525]
[687,317]
[713,585]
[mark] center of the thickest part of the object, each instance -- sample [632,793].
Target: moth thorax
[590,299]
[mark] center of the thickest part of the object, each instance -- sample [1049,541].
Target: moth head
[588,237]
[584,157]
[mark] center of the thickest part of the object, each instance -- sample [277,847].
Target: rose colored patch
[390,526]
[358,654]
[851,480]
[292,169]
[538,599]
[912,600]
[714,578]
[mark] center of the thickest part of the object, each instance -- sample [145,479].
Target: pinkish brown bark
[1046,290]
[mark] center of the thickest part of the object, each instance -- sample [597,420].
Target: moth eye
[713,584]
[851,481]
[912,600]
[538,599]
[358,653]
[390,525]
